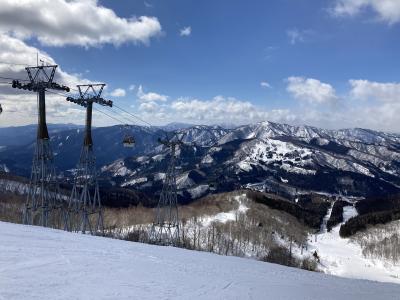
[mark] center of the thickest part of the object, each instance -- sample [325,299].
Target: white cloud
[84,23]
[132,87]
[368,90]
[150,97]
[16,54]
[20,106]
[387,10]
[185,31]
[148,107]
[21,109]
[222,109]
[296,35]
[118,93]
[148,4]
[311,90]
[265,84]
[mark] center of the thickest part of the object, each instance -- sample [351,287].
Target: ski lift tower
[84,210]
[43,204]
[165,229]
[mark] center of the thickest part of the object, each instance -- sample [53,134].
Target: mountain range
[265,156]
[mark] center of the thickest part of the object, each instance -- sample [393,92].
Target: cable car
[129,140]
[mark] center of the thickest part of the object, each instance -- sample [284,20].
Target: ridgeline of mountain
[265,156]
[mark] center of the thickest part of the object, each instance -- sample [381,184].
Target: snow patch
[159,176]
[224,217]
[184,181]
[158,157]
[343,257]
[198,191]
[134,181]
[207,159]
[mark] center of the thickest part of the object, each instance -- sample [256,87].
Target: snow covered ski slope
[343,257]
[39,263]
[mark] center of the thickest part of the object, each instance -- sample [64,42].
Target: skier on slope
[316,256]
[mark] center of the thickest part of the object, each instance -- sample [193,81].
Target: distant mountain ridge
[21,135]
[264,156]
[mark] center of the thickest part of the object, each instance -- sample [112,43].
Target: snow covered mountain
[264,156]
[51,264]
[271,156]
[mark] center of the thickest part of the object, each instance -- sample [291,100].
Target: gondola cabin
[128,142]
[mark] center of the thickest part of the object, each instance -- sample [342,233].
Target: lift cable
[57,93]
[13,64]
[9,78]
[112,117]
[151,129]
[150,126]
[134,116]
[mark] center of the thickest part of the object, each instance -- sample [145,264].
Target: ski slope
[343,257]
[40,263]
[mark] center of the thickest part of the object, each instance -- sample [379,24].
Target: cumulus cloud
[21,109]
[149,107]
[369,90]
[311,90]
[83,23]
[378,107]
[16,54]
[376,115]
[19,105]
[387,10]
[185,31]
[118,93]
[150,97]
[222,109]
[265,84]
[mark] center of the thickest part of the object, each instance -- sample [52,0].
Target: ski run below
[343,257]
[224,217]
[41,263]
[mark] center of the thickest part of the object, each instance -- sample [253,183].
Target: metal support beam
[42,133]
[88,127]
[43,205]
[85,213]
[165,229]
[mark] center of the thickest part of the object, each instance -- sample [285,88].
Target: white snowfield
[342,257]
[40,263]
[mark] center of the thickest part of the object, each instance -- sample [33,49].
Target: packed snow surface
[343,257]
[40,263]
[224,217]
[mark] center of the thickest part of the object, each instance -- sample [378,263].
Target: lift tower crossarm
[89,94]
[40,79]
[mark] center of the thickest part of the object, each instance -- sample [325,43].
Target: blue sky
[331,63]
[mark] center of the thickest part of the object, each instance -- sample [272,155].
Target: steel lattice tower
[165,229]
[43,204]
[85,212]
